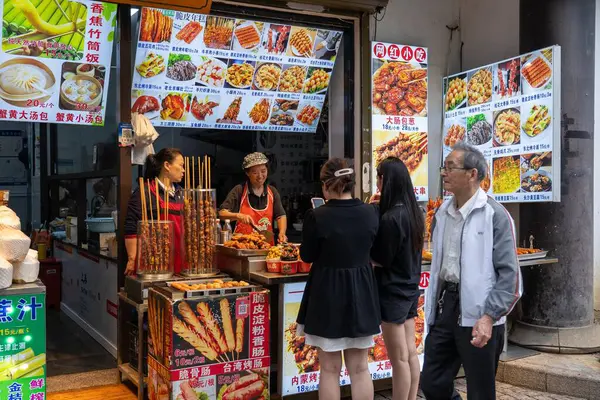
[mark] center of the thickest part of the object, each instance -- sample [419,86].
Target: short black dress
[340,305]
[400,271]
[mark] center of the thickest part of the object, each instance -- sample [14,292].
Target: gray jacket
[490,277]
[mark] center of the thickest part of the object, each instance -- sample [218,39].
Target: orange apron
[263,219]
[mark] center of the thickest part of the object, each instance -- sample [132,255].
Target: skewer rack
[176,294]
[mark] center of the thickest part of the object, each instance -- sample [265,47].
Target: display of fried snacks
[247,36]
[155,26]
[523,250]
[507,176]
[507,127]
[232,112]
[432,207]
[275,252]
[250,241]
[218,33]
[305,356]
[538,120]
[479,89]
[410,148]
[260,112]
[308,115]
[215,284]
[319,80]
[285,105]
[455,94]
[292,79]
[153,65]
[173,107]
[240,75]
[189,32]
[400,89]
[302,43]
[537,73]
[455,134]
[267,76]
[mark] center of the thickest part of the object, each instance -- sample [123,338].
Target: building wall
[596,171]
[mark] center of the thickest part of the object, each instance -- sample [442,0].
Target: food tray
[534,256]
[210,292]
[241,252]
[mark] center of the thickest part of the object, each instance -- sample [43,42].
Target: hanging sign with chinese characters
[510,111]
[23,346]
[199,71]
[399,110]
[55,60]
[300,362]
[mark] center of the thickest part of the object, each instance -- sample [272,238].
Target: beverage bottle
[226,232]
[218,231]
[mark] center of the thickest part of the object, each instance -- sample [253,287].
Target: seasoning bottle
[226,232]
[218,232]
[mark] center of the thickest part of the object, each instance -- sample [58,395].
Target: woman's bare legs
[358,368]
[329,383]
[395,337]
[413,358]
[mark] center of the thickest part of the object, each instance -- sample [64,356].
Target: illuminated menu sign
[199,71]
[55,61]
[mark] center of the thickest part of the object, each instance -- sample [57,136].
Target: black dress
[400,271]
[340,299]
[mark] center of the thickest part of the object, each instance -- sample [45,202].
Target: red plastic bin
[50,275]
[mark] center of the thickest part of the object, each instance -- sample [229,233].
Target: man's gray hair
[472,159]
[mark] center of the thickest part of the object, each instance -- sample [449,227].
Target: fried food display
[260,112]
[538,120]
[155,26]
[410,148]
[302,43]
[267,76]
[189,32]
[523,250]
[218,33]
[308,115]
[200,109]
[507,176]
[305,356]
[537,182]
[281,119]
[250,387]
[247,36]
[507,127]
[251,241]
[239,75]
[318,81]
[455,94]
[215,284]
[510,86]
[153,65]
[292,79]
[276,38]
[285,105]
[145,104]
[232,112]
[479,89]
[455,134]
[432,207]
[400,89]
[173,107]
[537,73]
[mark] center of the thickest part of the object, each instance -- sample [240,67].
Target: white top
[450,270]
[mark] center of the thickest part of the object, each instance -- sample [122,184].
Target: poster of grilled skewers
[510,111]
[399,110]
[300,362]
[55,60]
[235,71]
[217,346]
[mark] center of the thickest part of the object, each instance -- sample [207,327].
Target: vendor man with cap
[255,202]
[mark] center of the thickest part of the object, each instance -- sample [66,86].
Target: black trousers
[448,345]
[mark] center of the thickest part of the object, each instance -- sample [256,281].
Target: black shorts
[397,309]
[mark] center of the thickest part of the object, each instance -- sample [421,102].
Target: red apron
[263,219]
[175,215]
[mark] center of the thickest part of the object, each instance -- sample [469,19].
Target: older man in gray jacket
[475,282]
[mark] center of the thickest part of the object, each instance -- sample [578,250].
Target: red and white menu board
[55,60]
[203,71]
[399,110]
[510,111]
[300,362]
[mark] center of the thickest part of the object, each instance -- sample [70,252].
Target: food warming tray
[533,256]
[175,293]
[241,252]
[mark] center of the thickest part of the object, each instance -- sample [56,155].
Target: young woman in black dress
[340,306]
[397,255]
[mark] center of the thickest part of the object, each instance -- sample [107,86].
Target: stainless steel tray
[534,256]
[241,252]
[211,292]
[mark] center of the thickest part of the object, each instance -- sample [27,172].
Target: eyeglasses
[450,169]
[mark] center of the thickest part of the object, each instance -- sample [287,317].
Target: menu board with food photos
[399,110]
[204,71]
[55,60]
[510,111]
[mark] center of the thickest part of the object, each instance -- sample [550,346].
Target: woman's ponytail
[155,162]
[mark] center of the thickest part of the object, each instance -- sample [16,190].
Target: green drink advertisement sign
[23,347]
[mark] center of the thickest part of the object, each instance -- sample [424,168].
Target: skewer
[194,173]
[151,232]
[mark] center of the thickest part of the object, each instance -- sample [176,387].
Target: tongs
[268,235]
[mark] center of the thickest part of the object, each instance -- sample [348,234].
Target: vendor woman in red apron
[165,168]
[255,201]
